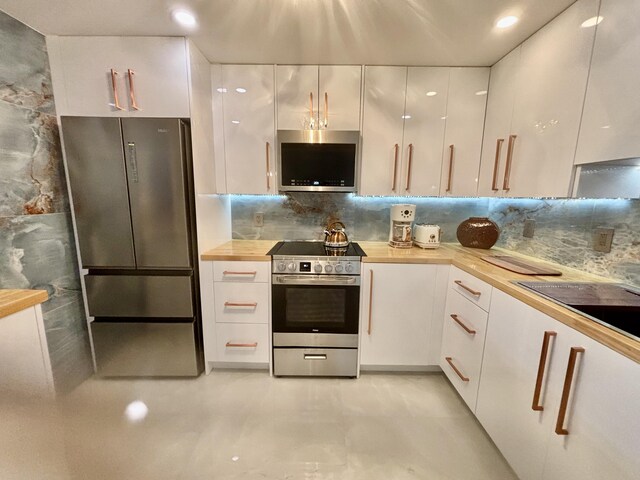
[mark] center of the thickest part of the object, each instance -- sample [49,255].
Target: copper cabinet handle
[451,148]
[468,289]
[370,300]
[507,168]
[228,272]
[114,88]
[395,167]
[456,319]
[311,122]
[268,167]
[496,165]
[326,109]
[236,304]
[566,390]
[132,92]
[455,369]
[243,345]
[543,362]
[409,167]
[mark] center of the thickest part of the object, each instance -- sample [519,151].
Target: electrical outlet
[258,219]
[529,228]
[602,239]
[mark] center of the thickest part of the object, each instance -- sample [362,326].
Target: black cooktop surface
[315,249]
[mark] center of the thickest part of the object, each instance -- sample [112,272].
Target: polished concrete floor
[247,425]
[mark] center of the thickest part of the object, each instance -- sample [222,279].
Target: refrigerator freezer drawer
[145,349]
[139,296]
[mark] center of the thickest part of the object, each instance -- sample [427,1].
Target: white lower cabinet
[242,343]
[397,316]
[591,435]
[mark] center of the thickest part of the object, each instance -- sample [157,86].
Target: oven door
[320,304]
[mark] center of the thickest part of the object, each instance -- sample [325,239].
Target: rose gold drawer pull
[543,362]
[114,87]
[326,109]
[507,168]
[470,331]
[395,167]
[370,300]
[132,92]
[268,168]
[496,165]
[242,345]
[450,179]
[235,304]
[227,272]
[566,390]
[455,369]
[470,290]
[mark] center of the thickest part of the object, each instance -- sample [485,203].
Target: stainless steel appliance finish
[318,160]
[316,279]
[316,362]
[333,340]
[139,296]
[137,239]
[611,179]
[145,349]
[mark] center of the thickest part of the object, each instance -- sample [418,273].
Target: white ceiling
[384,32]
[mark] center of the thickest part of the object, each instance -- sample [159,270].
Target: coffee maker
[401,218]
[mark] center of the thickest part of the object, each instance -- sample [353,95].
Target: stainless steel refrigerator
[132,188]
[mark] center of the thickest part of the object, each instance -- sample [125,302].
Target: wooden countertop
[12,301]
[247,250]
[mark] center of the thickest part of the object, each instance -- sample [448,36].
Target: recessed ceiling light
[184,18]
[431,94]
[606,126]
[481,92]
[241,90]
[235,122]
[406,116]
[221,90]
[592,22]
[506,22]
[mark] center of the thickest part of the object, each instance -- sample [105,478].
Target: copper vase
[478,232]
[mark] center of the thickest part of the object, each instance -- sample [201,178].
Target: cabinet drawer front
[242,272]
[242,342]
[471,287]
[463,343]
[237,303]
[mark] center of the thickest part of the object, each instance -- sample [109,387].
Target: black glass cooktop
[315,249]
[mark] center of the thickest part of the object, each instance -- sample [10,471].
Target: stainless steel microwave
[318,160]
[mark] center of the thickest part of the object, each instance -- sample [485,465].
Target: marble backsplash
[563,228]
[37,248]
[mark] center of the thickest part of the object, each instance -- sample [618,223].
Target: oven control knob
[317,268]
[349,268]
[339,268]
[292,267]
[282,266]
[328,268]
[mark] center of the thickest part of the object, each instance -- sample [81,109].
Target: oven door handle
[318,280]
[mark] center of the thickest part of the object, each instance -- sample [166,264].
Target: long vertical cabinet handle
[326,109]
[409,167]
[507,168]
[539,379]
[311,120]
[395,167]
[496,165]
[370,300]
[449,180]
[114,88]
[566,390]
[132,91]
[268,149]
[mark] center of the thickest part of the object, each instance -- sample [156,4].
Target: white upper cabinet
[550,82]
[318,97]
[466,105]
[611,115]
[120,76]
[249,130]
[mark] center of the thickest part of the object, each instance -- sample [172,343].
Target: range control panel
[316,265]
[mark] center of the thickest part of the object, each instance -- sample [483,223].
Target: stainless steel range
[315,309]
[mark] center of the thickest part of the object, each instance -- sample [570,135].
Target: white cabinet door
[512,354]
[611,115]
[397,316]
[382,130]
[502,91]
[83,66]
[339,96]
[424,124]
[297,90]
[464,128]
[554,66]
[249,130]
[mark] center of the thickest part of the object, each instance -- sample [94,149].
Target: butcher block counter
[12,301]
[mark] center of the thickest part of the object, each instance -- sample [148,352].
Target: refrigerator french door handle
[133,161]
